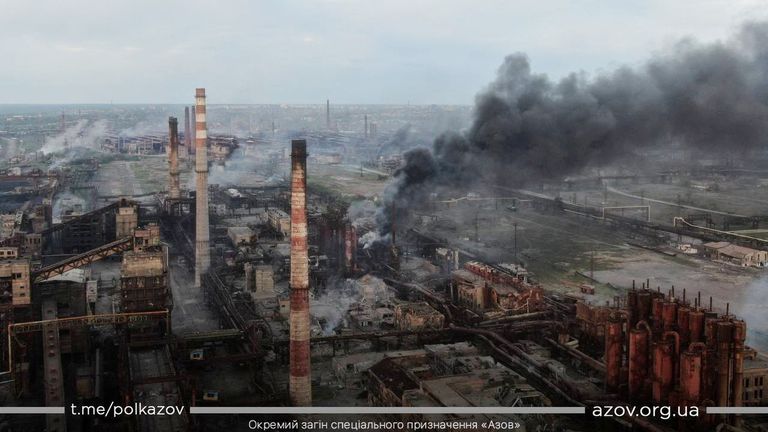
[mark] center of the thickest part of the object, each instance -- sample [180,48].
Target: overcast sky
[283,51]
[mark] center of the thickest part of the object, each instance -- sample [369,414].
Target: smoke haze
[711,98]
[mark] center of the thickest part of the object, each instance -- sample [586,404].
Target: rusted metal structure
[187,132]
[174,190]
[676,352]
[144,284]
[202,234]
[613,349]
[54,377]
[192,127]
[350,247]
[300,385]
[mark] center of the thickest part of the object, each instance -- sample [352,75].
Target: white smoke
[158,126]
[233,170]
[368,239]
[66,201]
[334,304]
[84,134]
[752,308]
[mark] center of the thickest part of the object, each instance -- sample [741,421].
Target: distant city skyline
[351,52]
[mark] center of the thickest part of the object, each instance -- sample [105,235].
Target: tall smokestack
[187,133]
[300,386]
[192,126]
[366,126]
[173,158]
[202,252]
[328,113]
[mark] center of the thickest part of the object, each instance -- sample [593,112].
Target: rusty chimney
[187,133]
[192,127]
[173,158]
[300,380]
[202,252]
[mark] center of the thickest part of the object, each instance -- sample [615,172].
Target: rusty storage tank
[683,324]
[696,325]
[691,366]
[638,359]
[657,305]
[668,315]
[613,348]
[739,335]
[663,369]
[632,306]
[643,305]
[724,338]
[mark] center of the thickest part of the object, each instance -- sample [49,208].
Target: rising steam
[83,134]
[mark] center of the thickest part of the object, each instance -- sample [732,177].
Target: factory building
[144,274]
[240,235]
[755,378]
[735,254]
[279,221]
[488,290]
[417,316]
[14,281]
[447,375]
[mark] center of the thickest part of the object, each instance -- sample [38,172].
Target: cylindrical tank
[668,315]
[662,369]
[696,326]
[683,324]
[656,312]
[710,331]
[690,376]
[643,305]
[739,335]
[613,348]
[638,361]
[724,338]
[632,307]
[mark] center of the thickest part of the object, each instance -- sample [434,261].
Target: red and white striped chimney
[300,385]
[202,251]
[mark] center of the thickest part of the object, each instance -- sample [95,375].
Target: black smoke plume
[708,98]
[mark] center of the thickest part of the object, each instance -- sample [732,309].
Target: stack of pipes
[676,352]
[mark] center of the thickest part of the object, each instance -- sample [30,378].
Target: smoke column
[711,99]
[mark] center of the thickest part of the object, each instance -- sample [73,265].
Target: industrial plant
[292,272]
[575,254]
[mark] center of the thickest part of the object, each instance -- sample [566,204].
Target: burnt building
[144,284]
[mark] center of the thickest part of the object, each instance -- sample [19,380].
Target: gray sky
[284,51]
